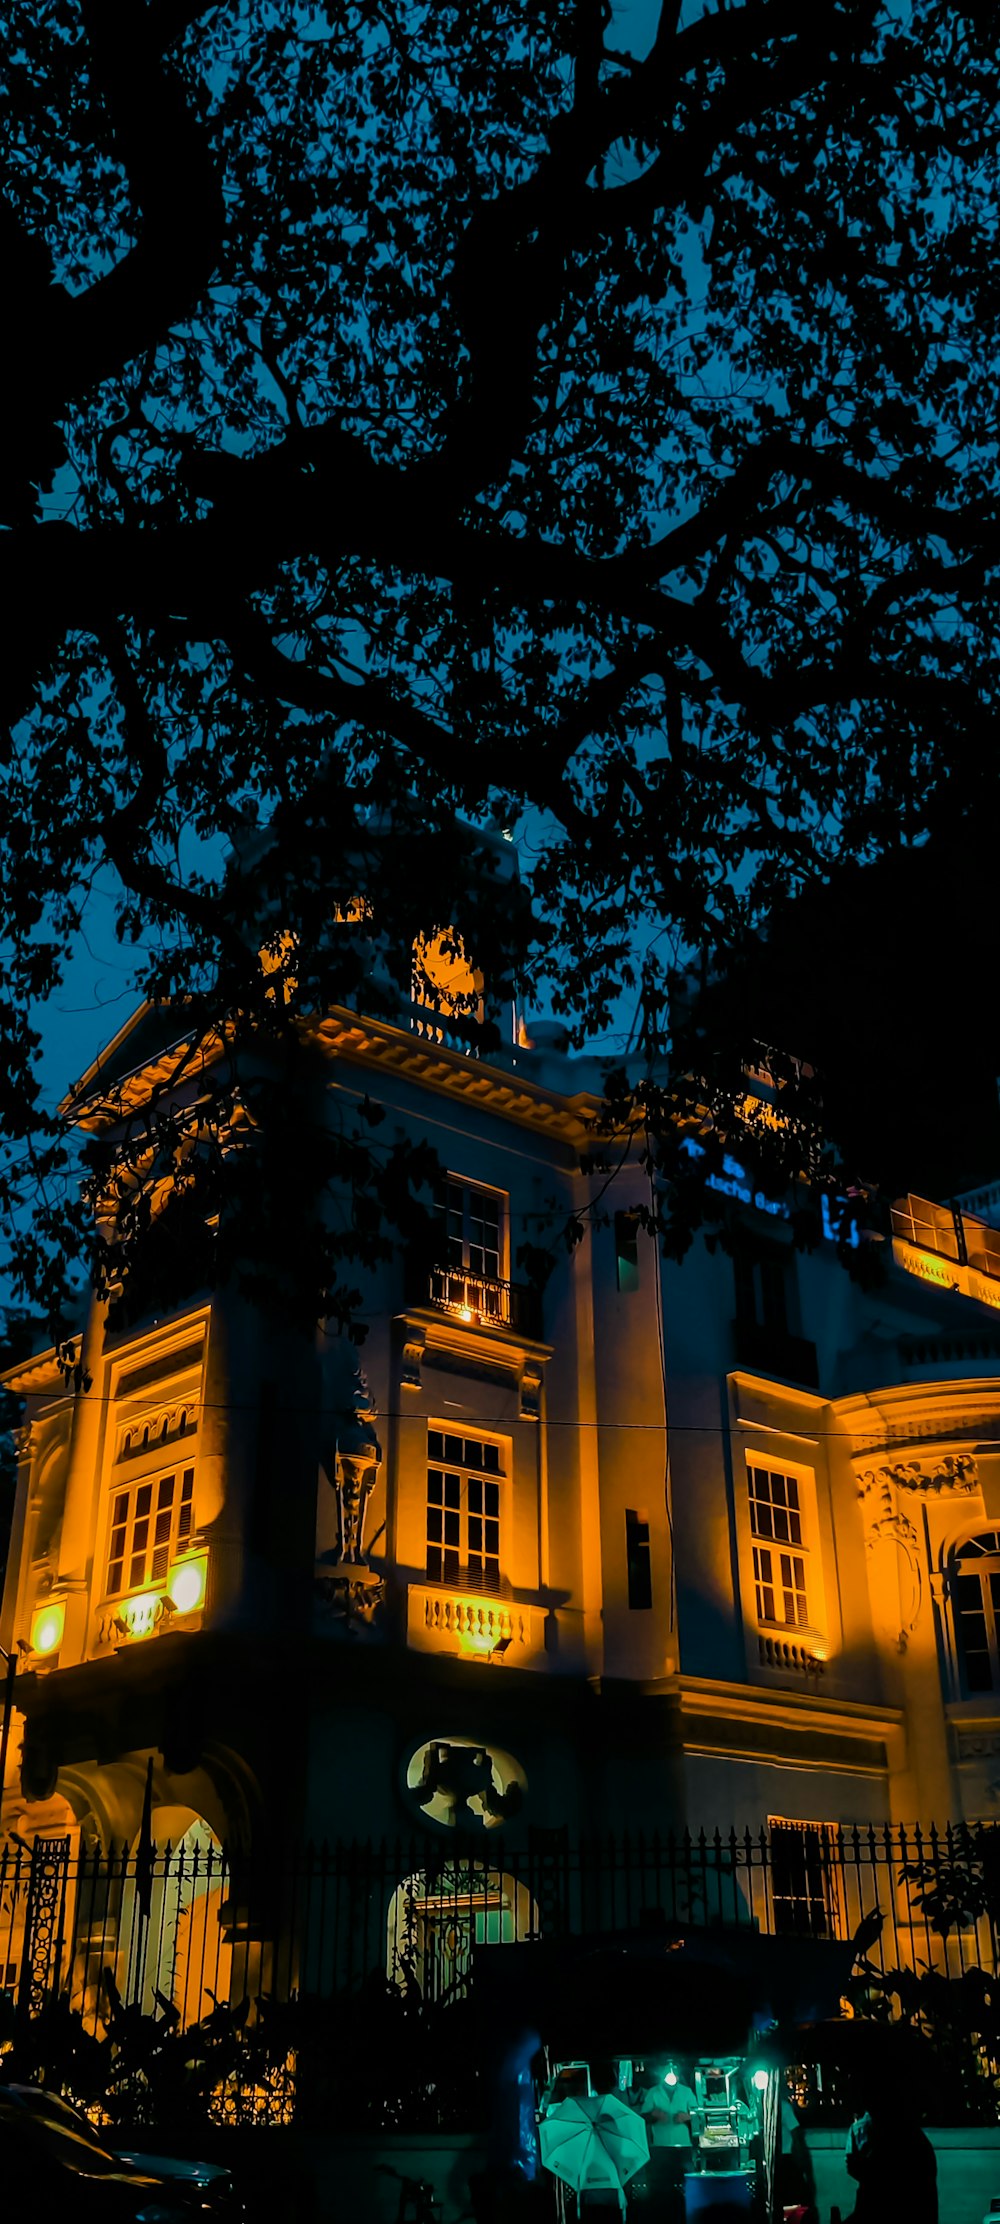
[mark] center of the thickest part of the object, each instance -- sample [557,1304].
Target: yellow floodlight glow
[187,1584]
[47,1626]
[142,1613]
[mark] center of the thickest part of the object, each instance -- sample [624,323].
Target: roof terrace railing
[949,1232]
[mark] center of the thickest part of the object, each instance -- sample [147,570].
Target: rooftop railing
[949,1232]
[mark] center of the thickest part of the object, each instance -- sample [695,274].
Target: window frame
[464,1270]
[484,1576]
[638,1560]
[783,1533]
[178,1539]
[981,1567]
[829,1896]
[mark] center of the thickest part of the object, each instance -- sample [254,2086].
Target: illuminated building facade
[706,1545]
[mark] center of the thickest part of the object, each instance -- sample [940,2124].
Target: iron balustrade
[478,1301]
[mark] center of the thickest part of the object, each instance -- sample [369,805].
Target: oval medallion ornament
[462,1784]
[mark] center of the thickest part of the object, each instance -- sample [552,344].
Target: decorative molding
[153,1431]
[531,1393]
[414,1346]
[350,1586]
[353,1596]
[956,1471]
[459,1784]
[887,1525]
[975,1744]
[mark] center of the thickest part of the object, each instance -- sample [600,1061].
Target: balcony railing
[951,1234]
[478,1301]
[771,1351]
[452,1030]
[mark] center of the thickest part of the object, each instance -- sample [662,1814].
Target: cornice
[95,1106]
[454,1073]
[740,1702]
[43,1371]
[945,1413]
[440,1332]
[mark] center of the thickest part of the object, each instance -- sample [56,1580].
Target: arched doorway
[180,1958]
[437,1918]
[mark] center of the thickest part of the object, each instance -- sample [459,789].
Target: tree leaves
[406,409]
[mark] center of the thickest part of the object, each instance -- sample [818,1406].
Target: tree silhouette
[458,408]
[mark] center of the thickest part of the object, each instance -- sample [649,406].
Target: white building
[698,1545]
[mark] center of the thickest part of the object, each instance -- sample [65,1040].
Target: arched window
[437,1919]
[976,1598]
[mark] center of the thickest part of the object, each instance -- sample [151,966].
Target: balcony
[469,1626]
[772,1351]
[478,1302]
[949,1248]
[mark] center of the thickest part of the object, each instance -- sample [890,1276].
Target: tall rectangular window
[640,1575]
[464,1477]
[806,1900]
[150,1522]
[761,1279]
[779,1555]
[474,1225]
[627,1250]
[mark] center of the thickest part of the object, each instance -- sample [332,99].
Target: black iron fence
[337,1983]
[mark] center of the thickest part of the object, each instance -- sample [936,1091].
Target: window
[806,1900]
[779,1559]
[976,1600]
[640,1580]
[627,1249]
[761,1279]
[474,1229]
[464,1474]
[150,1522]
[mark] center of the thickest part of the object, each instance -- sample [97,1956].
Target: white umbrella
[594,2141]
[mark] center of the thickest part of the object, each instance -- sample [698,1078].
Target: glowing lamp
[47,1626]
[187,1584]
[140,1615]
[465,1313]
[760,2080]
[670,2076]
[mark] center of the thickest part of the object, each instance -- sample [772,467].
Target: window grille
[805,1885]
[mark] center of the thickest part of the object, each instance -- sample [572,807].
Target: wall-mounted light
[760,2080]
[670,2075]
[47,1626]
[187,1583]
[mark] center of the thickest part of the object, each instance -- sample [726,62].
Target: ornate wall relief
[350,1584]
[463,1785]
